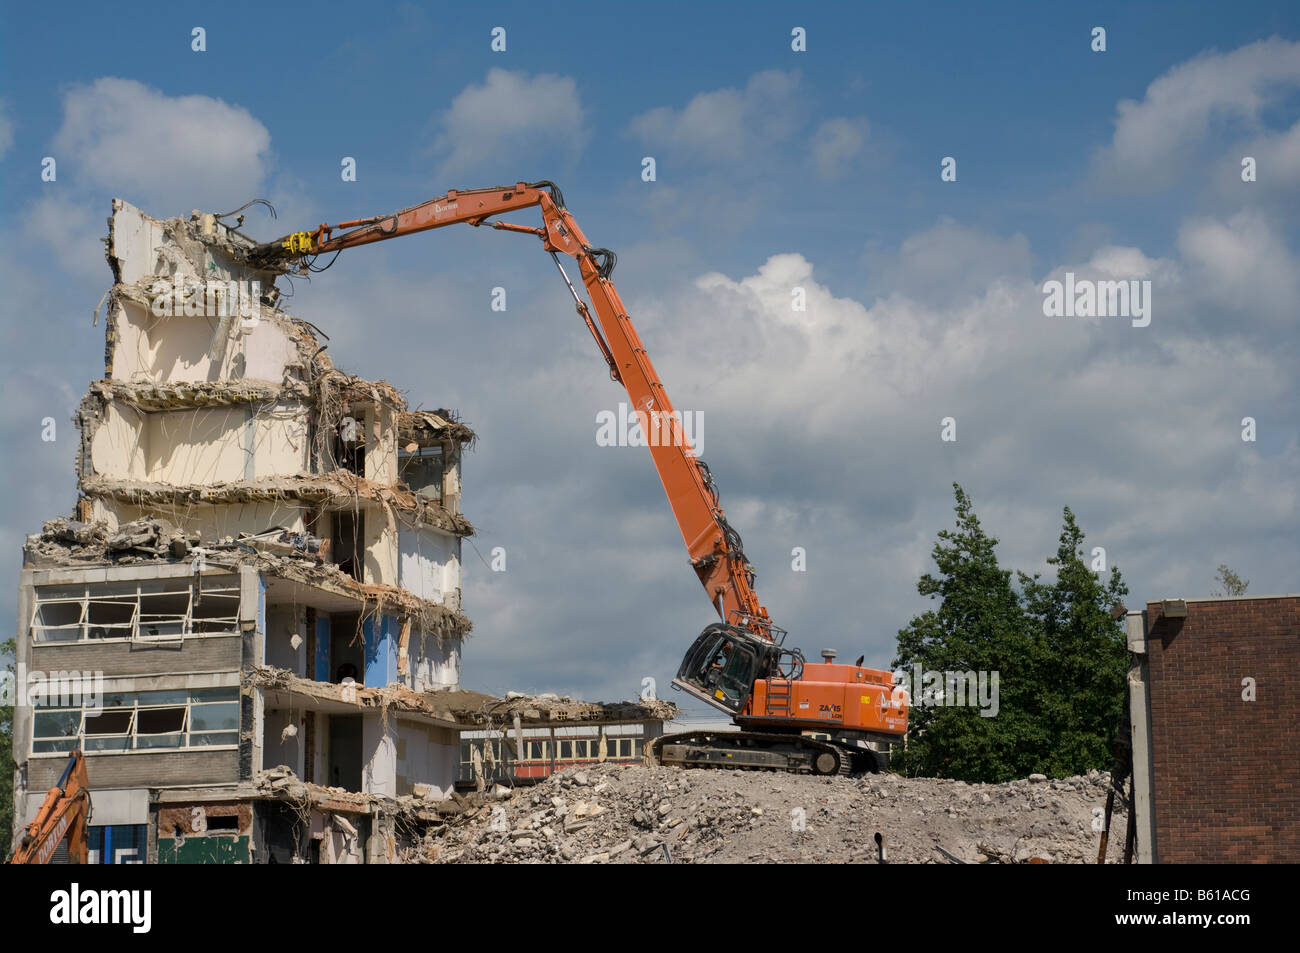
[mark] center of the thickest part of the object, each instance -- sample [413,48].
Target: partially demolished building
[259,588]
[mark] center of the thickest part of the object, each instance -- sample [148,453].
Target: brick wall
[1226,771]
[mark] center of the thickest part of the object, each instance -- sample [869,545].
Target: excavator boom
[738,665]
[716,550]
[64,815]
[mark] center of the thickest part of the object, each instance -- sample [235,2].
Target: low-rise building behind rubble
[262,570]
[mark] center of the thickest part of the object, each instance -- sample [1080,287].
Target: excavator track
[751,751]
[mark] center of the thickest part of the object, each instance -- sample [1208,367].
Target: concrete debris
[64,542]
[635,814]
[462,708]
[337,488]
[146,535]
[280,783]
[423,427]
[75,533]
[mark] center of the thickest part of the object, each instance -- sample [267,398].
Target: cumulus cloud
[949,261]
[71,227]
[836,143]
[728,123]
[1277,170]
[1243,267]
[1136,429]
[159,151]
[1154,136]
[511,114]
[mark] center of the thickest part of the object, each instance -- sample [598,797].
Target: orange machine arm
[65,814]
[715,549]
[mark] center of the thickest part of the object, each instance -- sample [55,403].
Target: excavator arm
[738,664]
[716,550]
[65,815]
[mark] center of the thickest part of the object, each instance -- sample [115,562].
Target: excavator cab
[721,667]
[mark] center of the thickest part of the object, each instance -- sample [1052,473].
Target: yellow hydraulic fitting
[299,243]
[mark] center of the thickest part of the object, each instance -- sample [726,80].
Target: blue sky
[774,168]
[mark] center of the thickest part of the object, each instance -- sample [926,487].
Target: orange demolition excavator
[826,718]
[65,815]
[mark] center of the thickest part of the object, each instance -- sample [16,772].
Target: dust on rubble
[636,814]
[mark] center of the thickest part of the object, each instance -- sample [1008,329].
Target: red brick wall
[1226,771]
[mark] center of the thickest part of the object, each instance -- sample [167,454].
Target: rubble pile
[282,784]
[637,814]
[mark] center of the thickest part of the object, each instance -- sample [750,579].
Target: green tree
[977,626]
[1085,651]
[1233,585]
[6,759]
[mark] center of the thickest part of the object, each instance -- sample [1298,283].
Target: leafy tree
[977,626]
[6,760]
[1059,651]
[1233,585]
[1086,654]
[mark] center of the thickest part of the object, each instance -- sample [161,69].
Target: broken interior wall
[209,522]
[430,565]
[434,663]
[220,404]
[205,445]
[379,540]
[181,348]
[285,741]
[426,756]
[286,637]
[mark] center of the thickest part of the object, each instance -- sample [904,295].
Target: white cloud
[1152,137]
[73,229]
[836,143]
[1277,164]
[726,123]
[1244,268]
[949,261]
[511,116]
[162,152]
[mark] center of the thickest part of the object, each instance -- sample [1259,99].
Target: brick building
[1216,729]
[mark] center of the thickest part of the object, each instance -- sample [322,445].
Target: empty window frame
[160,610]
[140,721]
[422,470]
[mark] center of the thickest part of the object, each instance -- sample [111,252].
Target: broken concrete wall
[426,756]
[430,565]
[168,277]
[211,523]
[117,445]
[434,663]
[209,445]
[379,751]
[196,348]
[380,544]
[381,444]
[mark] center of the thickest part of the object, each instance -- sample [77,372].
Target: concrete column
[379,748]
[1140,732]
